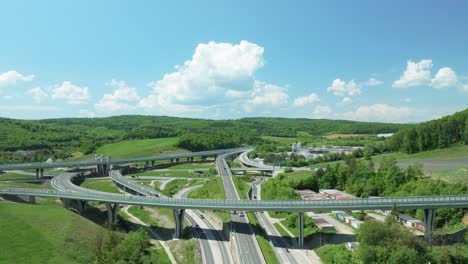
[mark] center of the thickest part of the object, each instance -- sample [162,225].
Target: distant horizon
[224,119]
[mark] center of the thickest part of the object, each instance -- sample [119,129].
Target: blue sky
[392,61]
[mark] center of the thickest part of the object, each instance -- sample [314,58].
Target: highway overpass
[103,164]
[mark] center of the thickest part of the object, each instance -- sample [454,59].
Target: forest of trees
[391,243]
[359,178]
[434,134]
[204,141]
[72,132]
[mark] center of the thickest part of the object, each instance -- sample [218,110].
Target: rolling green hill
[65,138]
[75,132]
[45,234]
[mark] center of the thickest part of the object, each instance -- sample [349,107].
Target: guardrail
[460,201]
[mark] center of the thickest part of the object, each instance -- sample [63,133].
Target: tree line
[440,133]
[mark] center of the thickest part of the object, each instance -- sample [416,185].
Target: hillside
[47,233]
[84,132]
[434,134]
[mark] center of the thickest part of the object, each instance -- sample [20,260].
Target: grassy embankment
[23,185]
[181,174]
[100,185]
[161,220]
[140,148]
[212,189]
[16,176]
[47,233]
[332,140]
[191,166]
[178,184]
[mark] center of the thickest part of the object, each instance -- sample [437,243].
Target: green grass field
[281,230]
[100,185]
[455,152]
[267,250]
[265,246]
[23,185]
[242,187]
[184,251]
[457,176]
[190,166]
[140,148]
[212,189]
[15,176]
[182,174]
[178,184]
[45,234]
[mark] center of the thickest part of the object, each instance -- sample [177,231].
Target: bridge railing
[286,205]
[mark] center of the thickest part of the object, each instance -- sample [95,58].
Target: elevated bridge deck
[459,201]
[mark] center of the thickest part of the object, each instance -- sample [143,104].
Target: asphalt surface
[103,160]
[247,245]
[147,191]
[209,235]
[279,245]
[63,182]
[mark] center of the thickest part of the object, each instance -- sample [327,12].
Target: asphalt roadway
[247,245]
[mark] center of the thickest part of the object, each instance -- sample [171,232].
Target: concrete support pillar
[77,205]
[191,159]
[177,160]
[301,229]
[244,172]
[112,210]
[108,166]
[146,164]
[188,159]
[81,205]
[172,160]
[152,163]
[32,199]
[37,173]
[41,173]
[429,215]
[179,221]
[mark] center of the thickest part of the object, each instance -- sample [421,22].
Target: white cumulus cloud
[322,109]
[213,69]
[346,100]
[219,77]
[120,99]
[380,112]
[342,88]
[38,94]
[71,93]
[11,77]
[416,74]
[444,78]
[305,100]
[267,95]
[86,113]
[373,82]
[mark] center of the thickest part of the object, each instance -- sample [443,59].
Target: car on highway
[202,216]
